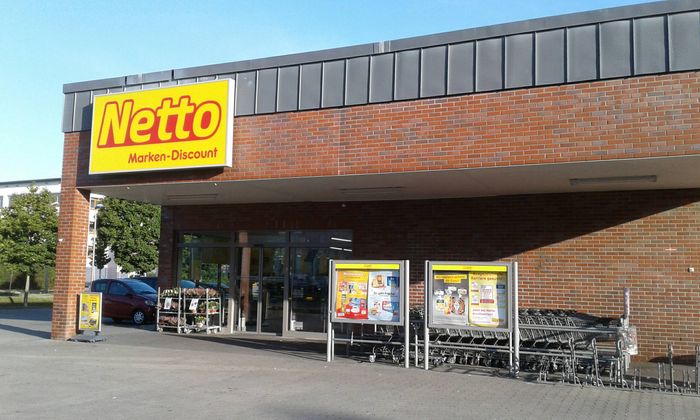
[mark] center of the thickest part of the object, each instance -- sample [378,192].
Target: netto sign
[188,126]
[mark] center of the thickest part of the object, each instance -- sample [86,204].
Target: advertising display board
[469,295]
[178,127]
[90,311]
[368,292]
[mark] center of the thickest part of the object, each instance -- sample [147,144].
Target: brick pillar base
[71,249]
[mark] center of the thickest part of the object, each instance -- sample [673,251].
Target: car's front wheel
[139,317]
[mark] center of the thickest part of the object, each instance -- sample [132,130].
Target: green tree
[28,231]
[131,230]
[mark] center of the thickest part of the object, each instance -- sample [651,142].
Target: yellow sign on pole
[177,127]
[90,312]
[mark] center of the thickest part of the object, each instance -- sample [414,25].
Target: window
[99,286]
[214,238]
[261,238]
[94,202]
[118,288]
[140,288]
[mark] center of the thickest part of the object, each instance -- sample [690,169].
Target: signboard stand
[368,293]
[89,318]
[472,299]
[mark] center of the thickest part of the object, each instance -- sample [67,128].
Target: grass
[16,298]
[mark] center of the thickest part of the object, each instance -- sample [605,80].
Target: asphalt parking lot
[140,373]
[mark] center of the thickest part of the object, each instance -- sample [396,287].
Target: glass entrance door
[271,305]
[261,277]
[308,300]
[248,282]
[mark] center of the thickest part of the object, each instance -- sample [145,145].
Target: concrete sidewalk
[138,373]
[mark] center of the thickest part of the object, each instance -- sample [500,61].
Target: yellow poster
[90,306]
[368,292]
[488,299]
[351,294]
[450,299]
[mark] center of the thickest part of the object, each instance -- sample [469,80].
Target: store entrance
[278,279]
[261,274]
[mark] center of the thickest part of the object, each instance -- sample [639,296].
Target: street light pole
[98,207]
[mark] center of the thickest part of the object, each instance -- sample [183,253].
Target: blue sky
[44,44]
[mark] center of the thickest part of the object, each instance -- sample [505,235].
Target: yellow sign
[90,316]
[188,126]
[450,278]
[449,267]
[488,299]
[367,266]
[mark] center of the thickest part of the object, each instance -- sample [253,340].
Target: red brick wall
[626,118]
[575,251]
[71,249]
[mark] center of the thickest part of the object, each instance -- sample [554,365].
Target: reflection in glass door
[272,298]
[309,287]
[247,278]
[261,276]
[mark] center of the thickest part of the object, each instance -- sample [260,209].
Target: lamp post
[98,207]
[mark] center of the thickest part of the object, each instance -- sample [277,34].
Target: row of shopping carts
[550,341]
[553,345]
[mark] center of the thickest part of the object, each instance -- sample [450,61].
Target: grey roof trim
[94,84]
[532,25]
[546,23]
[29,181]
[278,61]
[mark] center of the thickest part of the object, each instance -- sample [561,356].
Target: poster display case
[368,292]
[372,292]
[470,295]
[478,297]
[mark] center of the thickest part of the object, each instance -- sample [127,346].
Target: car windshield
[140,288]
[187,284]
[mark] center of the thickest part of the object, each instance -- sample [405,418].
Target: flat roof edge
[464,35]
[547,23]
[29,181]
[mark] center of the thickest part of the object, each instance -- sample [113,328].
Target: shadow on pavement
[26,314]
[26,331]
[301,349]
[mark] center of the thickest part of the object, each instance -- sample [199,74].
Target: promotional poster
[90,317]
[370,292]
[384,298]
[450,299]
[469,295]
[488,299]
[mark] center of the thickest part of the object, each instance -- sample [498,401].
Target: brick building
[569,144]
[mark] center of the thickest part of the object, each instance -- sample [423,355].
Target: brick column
[71,250]
[166,250]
